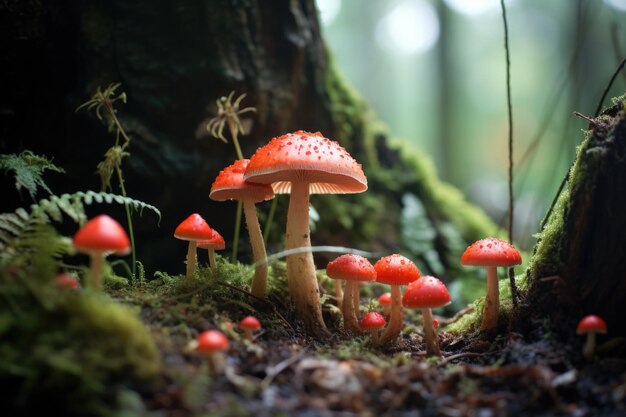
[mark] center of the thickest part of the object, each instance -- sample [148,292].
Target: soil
[282,372]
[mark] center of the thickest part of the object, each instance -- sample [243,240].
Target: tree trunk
[579,265]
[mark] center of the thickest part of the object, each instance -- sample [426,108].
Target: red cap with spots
[230,185]
[396,270]
[372,321]
[427,292]
[351,267]
[193,227]
[102,234]
[306,157]
[491,252]
[591,323]
[216,242]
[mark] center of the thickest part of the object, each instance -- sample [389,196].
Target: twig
[456,317]
[275,370]
[458,356]
[608,87]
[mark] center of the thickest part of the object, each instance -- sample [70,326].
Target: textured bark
[582,253]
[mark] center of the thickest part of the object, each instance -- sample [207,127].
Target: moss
[74,350]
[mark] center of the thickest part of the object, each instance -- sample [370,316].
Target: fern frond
[28,169]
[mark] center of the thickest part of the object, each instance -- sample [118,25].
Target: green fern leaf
[28,169]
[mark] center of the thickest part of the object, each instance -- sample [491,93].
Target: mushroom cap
[250,323]
[385,299]
[426,292]
[306,157]
[591,323]
[102,234]
[372,321]
[212,341]
[491,252]
[66,281]
[396,270]
[216,242]
[193,227]
[351,267]
[230,185]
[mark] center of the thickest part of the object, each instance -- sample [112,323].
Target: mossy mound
[73,350]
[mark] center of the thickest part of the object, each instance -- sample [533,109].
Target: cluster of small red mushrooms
[300,164]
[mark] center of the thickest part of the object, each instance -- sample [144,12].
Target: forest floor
[282,372]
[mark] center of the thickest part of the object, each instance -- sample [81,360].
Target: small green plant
[103,102]
[228,113]
[28,169]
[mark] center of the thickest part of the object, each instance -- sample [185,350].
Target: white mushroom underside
[321,182]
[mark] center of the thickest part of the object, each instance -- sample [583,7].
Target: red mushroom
[426,293]
[215,243]
[352,269]
[211,344]
[590,325]
[395,270]
[300,164]
[99,237]
[230,185]
[372,323]
[66,281]
[385,302]
[249,324]
[491,253]
[193,229]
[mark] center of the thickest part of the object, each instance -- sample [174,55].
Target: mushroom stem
[590,345]
[375,337]
[492,301]
[215,362]
[212,260]
[259,281]
[339,291]
[95,270]
[350,321]
[430,334]
[395,320]
[247,334]
[356,299]
[191,259]
[301,277]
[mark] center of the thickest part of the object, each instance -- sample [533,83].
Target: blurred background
[434,71]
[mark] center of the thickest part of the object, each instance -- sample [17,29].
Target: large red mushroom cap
[250,323]
[216,242]
[426,292]
[351,267]
[306,157]
[230,185]
[491,252]
[591,323]
[193,227]
[212,341]
[372,321]
[102,234]
[396,270]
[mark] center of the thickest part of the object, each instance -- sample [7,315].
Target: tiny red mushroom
[373,323]
[193,229]
[301,164]
[211,344]
[395,270]
[491,253]
[230,185]
[249,324]
[99,237]
[215,243]
[385,302]
[352,269]
[590,325]
[66,281]
[426,293]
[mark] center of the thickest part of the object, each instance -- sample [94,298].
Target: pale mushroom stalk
[212,260]
[356,299]
[339,291]
[301,277]
[95,269]
[191,259]
[492,300]
[395,319]
[590,345]
[350,321]
[430,334]
[259,281]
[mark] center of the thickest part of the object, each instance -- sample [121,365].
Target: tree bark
[579,265]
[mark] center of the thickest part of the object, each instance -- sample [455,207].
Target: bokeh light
[410,27]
